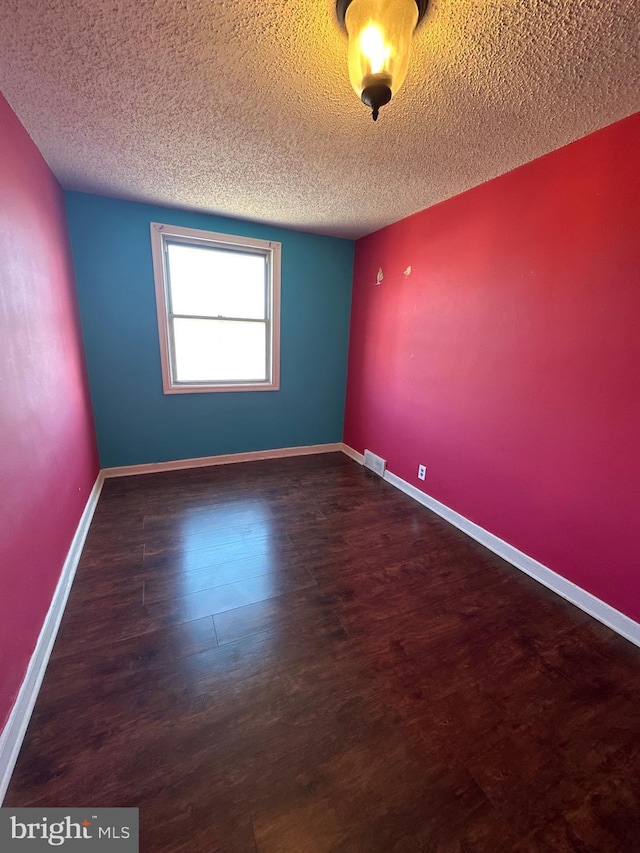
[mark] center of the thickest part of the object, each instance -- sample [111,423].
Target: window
[218,300]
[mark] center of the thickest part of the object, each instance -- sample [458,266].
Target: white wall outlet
[422,472]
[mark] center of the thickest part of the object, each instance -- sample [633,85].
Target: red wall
[508,362]
[48,458]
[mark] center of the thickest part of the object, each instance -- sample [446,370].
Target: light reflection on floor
[236,534]
[232,525]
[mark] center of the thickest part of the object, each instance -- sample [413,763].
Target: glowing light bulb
[373,47]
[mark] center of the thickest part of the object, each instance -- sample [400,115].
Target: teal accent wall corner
[136,422]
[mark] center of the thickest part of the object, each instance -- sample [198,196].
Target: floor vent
[375,463]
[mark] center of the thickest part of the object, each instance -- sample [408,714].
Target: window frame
[161,234]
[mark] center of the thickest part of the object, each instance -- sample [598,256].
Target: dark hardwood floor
[293,656]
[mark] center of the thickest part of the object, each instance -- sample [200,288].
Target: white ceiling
[243,107]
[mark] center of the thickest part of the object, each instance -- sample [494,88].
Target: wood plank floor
[293,656]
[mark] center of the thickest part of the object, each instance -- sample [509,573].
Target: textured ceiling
[244,108]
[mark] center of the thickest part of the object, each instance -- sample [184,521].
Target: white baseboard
[352,454]
[14,731]
[595,607]
[226,459]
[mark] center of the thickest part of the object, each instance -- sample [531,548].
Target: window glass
[219,350]
[216,283]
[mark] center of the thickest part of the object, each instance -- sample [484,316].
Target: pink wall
[48,458]
[508,361]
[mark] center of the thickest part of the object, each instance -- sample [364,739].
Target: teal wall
[135,421]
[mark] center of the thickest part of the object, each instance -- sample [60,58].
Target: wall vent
[375,463]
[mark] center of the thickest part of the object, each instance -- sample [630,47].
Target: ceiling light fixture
[380,33]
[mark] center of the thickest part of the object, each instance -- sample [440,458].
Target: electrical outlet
[422,472]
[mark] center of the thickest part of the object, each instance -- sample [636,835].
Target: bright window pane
[219,350]
[216,283]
